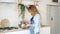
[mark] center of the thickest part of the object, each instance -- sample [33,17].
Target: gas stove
[8,28]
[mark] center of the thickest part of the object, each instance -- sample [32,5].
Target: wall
[43,10]
[59,1]
[9,11]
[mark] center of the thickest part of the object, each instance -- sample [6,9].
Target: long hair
[34,10]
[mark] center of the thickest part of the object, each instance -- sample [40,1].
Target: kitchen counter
[17,31]
[43,30]
[3,31]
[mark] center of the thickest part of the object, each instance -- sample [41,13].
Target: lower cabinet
[19,32]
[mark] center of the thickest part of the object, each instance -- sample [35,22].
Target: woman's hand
[28,25]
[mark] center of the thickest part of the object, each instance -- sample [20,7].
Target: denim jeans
[37,33]
[31,30]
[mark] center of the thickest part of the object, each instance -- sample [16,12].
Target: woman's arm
[37,23]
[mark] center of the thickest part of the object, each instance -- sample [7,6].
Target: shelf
[27,2]
[53,4]
[9,2]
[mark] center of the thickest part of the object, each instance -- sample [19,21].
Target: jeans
[31,30]
[37,33]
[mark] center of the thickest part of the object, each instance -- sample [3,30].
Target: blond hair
[33,9]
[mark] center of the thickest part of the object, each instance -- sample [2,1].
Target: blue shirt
[36,24]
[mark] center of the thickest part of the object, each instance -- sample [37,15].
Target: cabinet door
[45,30]
[19,32]
[53,18]
[1,33]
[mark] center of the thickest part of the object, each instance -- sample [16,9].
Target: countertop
[3,31]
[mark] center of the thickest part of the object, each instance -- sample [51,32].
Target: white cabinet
[19,32]
[45,30]
[16,32]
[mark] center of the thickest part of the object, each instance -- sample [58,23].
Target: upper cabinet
[8,0]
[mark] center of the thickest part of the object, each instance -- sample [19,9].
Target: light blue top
[36,28]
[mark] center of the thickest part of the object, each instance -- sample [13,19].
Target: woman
[35,20]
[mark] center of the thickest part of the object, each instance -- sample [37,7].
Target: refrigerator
[53,18]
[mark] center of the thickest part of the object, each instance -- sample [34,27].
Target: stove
[8,28]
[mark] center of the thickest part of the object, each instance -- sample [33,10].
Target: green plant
[22,10]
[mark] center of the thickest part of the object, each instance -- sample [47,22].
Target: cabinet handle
[51,18]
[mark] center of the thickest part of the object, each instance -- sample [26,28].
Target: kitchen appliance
[8,28]
[53,18]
